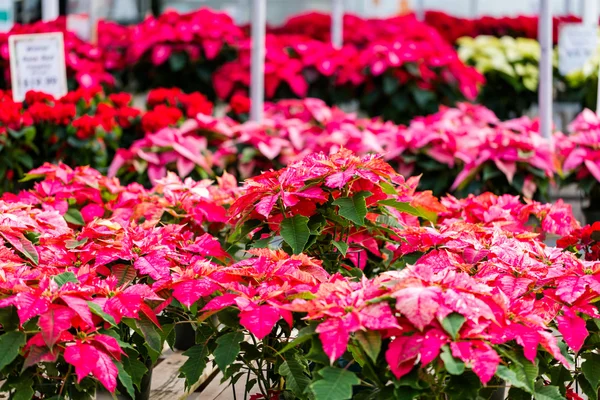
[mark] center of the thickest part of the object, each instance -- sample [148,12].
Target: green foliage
[295,232]
[336,384]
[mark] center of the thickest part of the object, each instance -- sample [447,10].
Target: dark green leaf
[228,347]
[9,319]
[73,216]
[354,208]
[295,232]
[453,365]
[591,369]
[150,333]
[177,61]
[10,344]
[548,393]
[135,368]
[336,384]
[296,379]
[96,309]
[452,324]
[370,341]
[304,334]
[23,390]
[341,246]
[125,380]
[65,277]
[195,364]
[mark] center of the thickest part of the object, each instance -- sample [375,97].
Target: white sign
[37,62]
[576,45]
[7,15]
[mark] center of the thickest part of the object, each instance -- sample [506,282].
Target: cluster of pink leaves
[398,43]
[126,262]
[505,282]
[579,152]
[467,135]
[200,34]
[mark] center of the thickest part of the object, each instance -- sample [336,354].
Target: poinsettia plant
[95,276]
[459,318]
[174,48]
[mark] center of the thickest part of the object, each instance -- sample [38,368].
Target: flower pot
[185,336]
[145,386]
[499,394]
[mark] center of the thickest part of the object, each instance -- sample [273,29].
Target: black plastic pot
[185,336]
[145,386]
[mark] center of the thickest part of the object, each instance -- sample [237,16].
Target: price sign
[37,62]
[576,45]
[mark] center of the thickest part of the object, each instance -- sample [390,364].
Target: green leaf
[548,393]
[96,309]
[388,188]
[228,347]
[10,344]
[73,216]
[296,379]
[304,334]
[295,232]
[65,277]
[407,208]
[354,208]
[521,376]
[23,390]
[153,338]
[452,324]
[125,273]
[423,97]
[335,385]
[125,380]
[73,244]
[453,365]
[341,246]
[177,61]
[195,364]
[591,369]
[9,319]
[463,387]
[370,341]
[135,368]
[390,84]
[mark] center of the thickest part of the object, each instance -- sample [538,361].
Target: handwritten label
[37,62]
[576,44]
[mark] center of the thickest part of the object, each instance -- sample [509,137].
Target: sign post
[50,10]
[337,23]
[7,15]
[37,62]
[473,8]
[257,68]
[545,82]
[420,9]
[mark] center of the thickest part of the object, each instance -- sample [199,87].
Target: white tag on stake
[576,45]
[37,62]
